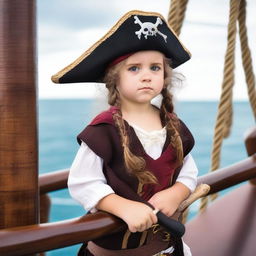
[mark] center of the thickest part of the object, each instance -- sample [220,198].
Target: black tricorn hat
[135,31]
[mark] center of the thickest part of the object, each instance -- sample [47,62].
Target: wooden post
[18,114]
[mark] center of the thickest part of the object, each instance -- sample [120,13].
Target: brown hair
[135,164]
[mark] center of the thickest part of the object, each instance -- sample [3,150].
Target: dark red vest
[102,136]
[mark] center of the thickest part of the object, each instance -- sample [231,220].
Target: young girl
[134,158]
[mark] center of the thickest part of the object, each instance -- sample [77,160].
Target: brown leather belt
[145,250]
[153,247]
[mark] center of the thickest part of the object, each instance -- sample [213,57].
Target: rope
[223,122]
[173,14]
[176,14]
[246,57]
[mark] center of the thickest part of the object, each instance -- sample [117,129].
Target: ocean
[61,120]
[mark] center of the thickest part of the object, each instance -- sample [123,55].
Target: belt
[154,246]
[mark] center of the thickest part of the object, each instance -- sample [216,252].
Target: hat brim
[122,39]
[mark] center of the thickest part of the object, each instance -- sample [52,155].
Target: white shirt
[87,183]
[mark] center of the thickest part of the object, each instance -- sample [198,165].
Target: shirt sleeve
[86,182]
[188,173]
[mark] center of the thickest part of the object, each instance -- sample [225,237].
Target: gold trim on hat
[55,78]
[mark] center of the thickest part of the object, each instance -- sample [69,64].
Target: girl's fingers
[134,229]
[143,226]
[143,219]
[149,224]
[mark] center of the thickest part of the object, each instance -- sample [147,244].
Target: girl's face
[141,77]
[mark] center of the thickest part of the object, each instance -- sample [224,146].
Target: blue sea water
[61,120]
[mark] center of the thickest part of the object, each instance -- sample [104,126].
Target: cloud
[78,14]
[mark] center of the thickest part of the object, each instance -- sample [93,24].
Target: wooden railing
[39,238]
[43,237]
[53,181]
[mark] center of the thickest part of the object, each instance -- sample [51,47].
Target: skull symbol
[149,28]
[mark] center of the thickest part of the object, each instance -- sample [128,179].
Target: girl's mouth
[146,88]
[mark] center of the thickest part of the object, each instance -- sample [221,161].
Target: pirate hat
[135,31]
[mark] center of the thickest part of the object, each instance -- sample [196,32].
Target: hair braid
[172,123]
[134,164]
[110,79]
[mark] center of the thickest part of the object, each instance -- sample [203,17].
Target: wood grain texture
[18,114]
[230,176]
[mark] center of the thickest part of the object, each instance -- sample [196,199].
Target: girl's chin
[145,100]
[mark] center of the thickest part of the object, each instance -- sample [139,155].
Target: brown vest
[102,136]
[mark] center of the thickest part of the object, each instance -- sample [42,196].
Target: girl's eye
[155,68]
[133,68]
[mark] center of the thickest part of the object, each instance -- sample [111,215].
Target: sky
[67,28]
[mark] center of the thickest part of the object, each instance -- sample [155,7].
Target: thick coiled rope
[224,117]
[176,14]
[246,57]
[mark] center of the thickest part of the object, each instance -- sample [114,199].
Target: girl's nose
[145,76]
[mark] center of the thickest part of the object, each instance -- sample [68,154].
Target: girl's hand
[168,200]
[138,216]
[165,201]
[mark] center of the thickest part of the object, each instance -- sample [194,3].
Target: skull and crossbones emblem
[149,28]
